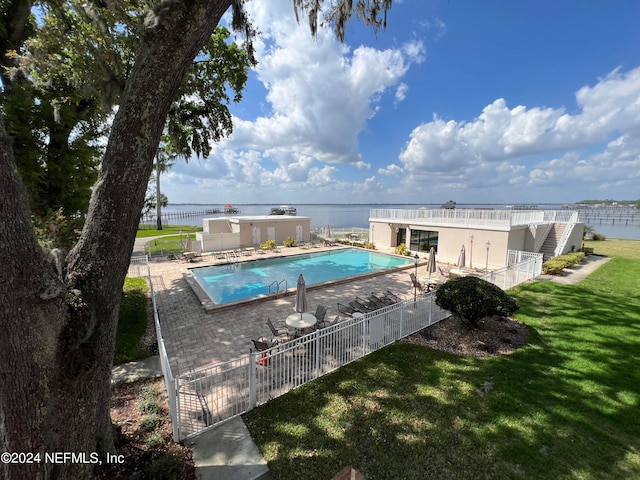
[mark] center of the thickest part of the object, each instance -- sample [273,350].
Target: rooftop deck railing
[471,217]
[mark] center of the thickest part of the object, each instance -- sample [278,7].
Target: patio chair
[262,345]
[321,311]
[444,272]
[278,332]
[415,282]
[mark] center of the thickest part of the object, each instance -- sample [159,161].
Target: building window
[401,236]
[423,240]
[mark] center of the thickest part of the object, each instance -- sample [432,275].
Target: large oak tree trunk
[58,322]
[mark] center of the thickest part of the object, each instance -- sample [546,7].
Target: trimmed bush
[555,265]
[290,242]
[268,245]
[473,298]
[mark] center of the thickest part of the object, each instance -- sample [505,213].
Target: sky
[494,101]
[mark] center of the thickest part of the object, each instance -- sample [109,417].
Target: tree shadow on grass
[565,407]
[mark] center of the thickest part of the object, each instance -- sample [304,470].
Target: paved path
[140,243]
[576,274]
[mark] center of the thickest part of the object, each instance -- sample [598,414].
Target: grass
[564,407]
[613,247]
[132,322]
[174,229]
[168,245]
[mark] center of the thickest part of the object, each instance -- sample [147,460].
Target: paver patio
[195,338]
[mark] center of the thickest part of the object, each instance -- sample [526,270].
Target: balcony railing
[470,217]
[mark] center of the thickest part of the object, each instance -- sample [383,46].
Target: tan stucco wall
[451,239]
[238,232]
[575,238]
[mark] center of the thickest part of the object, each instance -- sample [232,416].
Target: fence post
[252,379]
[317,349]
[401,322]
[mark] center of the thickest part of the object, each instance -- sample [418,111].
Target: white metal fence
[212,395]
[200,399]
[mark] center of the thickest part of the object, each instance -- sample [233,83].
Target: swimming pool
[239,281]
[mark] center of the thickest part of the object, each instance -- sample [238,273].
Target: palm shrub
[402,250]
[268,245]
[290,242]
[472,299]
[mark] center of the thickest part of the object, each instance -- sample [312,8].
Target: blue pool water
[229,283]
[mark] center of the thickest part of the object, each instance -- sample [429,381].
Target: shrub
[574,258]
[599,237]
[166,467]
[369,245]
[268,245]
[153,440]
[402,250]
[290,242]
[151,421]
[555,265]
[473,298]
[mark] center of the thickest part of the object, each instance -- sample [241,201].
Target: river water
[357,215]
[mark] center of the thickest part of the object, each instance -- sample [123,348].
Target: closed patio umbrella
[461,258]
[301,296]
[189,245]
[431,264]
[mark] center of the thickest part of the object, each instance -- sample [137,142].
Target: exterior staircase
[548,248]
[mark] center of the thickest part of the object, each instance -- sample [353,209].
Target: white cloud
[494,146]
[321,93]
[390,170]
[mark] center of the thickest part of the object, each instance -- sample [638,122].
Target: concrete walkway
[221,453]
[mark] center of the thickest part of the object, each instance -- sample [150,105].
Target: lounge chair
[359,306]
[367,304]
[382,298]
[328,323]
[346,308]
[278,332]
[393,296]
[373,300]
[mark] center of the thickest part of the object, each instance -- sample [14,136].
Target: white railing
[215,394]
[201,399]
[469,217]
[169,381]
[519,256]
[568,229]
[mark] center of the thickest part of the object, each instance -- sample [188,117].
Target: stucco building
[229,233]
[487,235]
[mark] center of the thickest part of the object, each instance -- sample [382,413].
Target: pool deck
[196,338]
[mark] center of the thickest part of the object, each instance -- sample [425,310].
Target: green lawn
[132,322]
[172,230]
[613,247]
[170,244]
[565,407]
